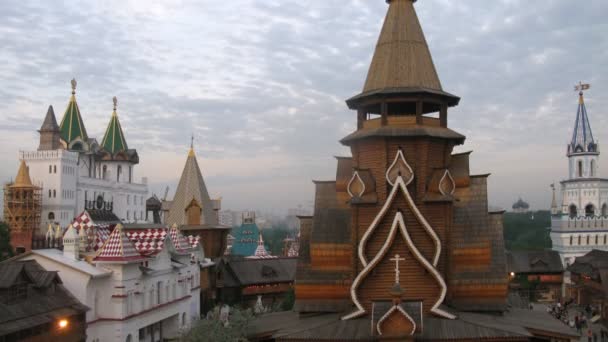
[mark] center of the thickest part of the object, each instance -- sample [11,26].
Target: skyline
[279,65]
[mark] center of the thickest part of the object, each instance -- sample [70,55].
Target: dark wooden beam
[443,115]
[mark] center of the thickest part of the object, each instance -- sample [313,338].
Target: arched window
[589,210]
[54,193]
[571,240]
[50,168]
[104,171]
[118,172]
[573,211]
[580,168]
[183,319]
[605,210]
[50,193]
[579,240]
[77,147]
[592,169]
[54,168]
[51,216]
[605,239]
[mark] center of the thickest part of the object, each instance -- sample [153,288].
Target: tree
[216,329]
[6,251]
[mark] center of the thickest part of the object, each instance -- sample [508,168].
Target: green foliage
[290,299]
[273,238]
[527,231]
[213,329]
[6,251]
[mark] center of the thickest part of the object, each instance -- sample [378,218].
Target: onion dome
[520,204]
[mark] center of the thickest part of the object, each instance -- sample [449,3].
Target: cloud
[262,84]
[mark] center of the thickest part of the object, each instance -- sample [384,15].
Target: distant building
[246,236]
[35,305]
[542,268]
[76,171]
[520,206]
[589,276]
[230,218]
[581,223]
[141,282]
[22,209]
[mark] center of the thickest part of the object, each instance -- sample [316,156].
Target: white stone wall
[589,163]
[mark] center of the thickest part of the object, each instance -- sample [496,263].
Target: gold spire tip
[115,101]
[73,86]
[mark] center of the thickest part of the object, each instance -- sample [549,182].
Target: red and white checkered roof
[118,248]
[96,234]
[148,241]
[180,243]
[194,240]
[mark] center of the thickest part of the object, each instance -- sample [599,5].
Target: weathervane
[396,259]
[582,87]
[73,86]
[115,100]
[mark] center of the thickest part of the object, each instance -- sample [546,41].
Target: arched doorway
[589,210]
[572,210]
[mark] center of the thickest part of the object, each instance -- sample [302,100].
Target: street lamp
[62,324]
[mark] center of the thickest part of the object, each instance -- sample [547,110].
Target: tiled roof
[72,126]
[114,140]
[118,248]
[50,123]
[23,176]
[97,233]
[147,241]
[245,239]
[180,243]
[534,262]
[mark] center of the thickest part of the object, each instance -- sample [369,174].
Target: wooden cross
[396,259]
[582,86]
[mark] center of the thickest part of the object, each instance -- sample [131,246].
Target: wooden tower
[22,209]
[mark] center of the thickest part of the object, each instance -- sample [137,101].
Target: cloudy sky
[261,84]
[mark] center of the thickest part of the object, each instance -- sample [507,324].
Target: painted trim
[355,176]
[449,175]
[399,184]
[398,221]
[398,157]
[403,312]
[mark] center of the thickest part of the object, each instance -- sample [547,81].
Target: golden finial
[115,100]
[73,86]
[191,152]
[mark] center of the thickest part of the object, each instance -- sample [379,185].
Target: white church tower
[581,224]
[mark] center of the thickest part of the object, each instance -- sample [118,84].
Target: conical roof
[118,248]
[50,123]
[402,61]
[402,58]
[582,137]
[23,176]
[191,186]
[72,126]
[114,139]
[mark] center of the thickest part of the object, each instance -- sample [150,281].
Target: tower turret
[50,135]
[72,127]
[583,151]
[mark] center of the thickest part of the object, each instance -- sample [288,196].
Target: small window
[54,168]
[128,199]
[128,215]
[588,239]
[573,211]
[50,168]
[54,193]
[597,239]
[118,172]
[580,168]
[604,239]
[579,240]
[50,193]
[571,240]
[51,216]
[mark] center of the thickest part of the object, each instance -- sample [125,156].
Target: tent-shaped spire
[23,176]
[582,137]
[50,123]
[72,126]
[402,58]
[260,251]
[191,186]
[114,139]
[118,248]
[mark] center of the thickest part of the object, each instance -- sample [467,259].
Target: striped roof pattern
[96,234]
[582,137]
[72,126]
[194,240]
[118,248]
[114,139]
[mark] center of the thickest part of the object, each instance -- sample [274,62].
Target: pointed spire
[50,122]
[191,186]
[23,179]
[191,152]
[260,251]
[114,140]
[402,58]
[582,137]
[72,126]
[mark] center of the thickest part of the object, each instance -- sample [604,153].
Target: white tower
[582,223]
